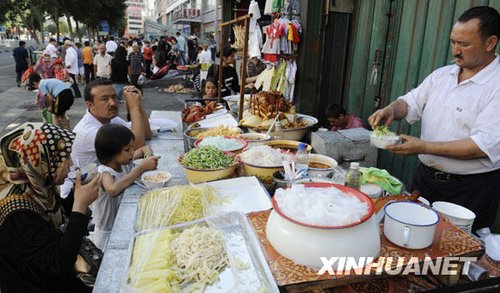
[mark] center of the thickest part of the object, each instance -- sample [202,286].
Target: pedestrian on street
[52,49]
[88,67]
[119,70]
[102,63]
[71,61]
[36,255]
[44,66]
[20,55]
[111,46]
[60,72]
[181,48]
[58,98]
[136,66]
[148,58]
[80,62]
[458,105]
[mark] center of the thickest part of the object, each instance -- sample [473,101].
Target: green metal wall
[414,35]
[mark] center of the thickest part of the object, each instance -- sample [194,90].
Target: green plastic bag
[47,116]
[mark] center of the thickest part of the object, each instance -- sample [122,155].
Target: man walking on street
[71,62]
[88,62]
[181,47]
[20,55]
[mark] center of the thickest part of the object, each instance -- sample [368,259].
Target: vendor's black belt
[443,176]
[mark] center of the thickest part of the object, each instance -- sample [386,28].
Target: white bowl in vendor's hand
[155,179]
[382,142]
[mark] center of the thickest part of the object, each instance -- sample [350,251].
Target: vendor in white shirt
[459,106]
[103,108]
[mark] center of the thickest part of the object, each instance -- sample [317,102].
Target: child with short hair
[339,119]
[114,146]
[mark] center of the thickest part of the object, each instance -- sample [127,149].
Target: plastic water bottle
[278,131]
[353,176]
[302,159]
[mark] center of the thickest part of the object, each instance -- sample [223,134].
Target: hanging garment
[268,8]
[277,5]
[277,75]
[271,57]
[264,79]
[291,80]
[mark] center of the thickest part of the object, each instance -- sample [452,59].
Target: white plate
[225,119]
[245,195]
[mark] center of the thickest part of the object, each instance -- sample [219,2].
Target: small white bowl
[372,190]
[382,142]
[155,179]
[322,159]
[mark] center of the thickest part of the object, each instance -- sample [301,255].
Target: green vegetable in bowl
[383,130]
[206,157]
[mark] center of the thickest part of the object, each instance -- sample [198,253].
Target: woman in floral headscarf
[34,255]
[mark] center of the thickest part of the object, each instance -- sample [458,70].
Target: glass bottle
[353,176]
[278,131]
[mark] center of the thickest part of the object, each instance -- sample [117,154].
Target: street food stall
[247,230]
[237,214]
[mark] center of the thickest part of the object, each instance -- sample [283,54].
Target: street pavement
[17,105]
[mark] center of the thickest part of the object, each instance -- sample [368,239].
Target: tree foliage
[31,14]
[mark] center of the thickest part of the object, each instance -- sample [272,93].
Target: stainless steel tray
[242,247]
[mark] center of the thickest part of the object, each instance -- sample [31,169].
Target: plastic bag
[141,80]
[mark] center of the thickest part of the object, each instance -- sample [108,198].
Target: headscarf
[32,154]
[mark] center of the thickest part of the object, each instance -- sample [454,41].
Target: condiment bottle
[278,131]
[302,159]
[353,176]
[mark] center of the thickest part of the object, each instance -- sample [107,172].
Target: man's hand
[410,146]
[386,114]
[132,96]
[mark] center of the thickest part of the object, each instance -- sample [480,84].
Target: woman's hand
[85,194]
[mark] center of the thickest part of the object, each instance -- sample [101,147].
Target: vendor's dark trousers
[74,86]
[89,72]
[479,192]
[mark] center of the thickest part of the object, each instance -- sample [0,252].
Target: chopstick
[272,124]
